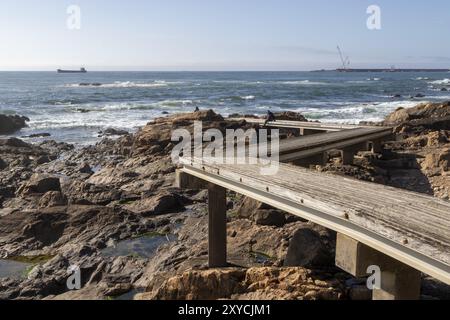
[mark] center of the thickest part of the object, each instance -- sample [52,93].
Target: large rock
[155,137]
[52,199]
[65,228]
[437,161]
[433,116]
[399,116]
[11,124]
[3,164]
[307,249]
[14,142]
[261,213]
[40,184]
[270,218]
[164,202]
[290,116]
[246,284]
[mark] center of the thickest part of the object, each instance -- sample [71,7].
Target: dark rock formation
[11,124]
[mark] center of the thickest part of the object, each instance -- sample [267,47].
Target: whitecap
[444,82]
[119,84]
[304,83]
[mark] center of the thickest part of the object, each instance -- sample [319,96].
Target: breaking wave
[124,84]
[444,82]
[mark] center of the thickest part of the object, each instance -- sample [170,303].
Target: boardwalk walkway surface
[401,231]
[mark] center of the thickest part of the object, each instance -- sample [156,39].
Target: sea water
[75,107]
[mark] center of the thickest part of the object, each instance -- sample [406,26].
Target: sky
[185,35]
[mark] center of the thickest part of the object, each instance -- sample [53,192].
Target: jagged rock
[433,116]
[14,142]
[261,213]
[307,249]
[38,135]
[39,184]
[43,159]
[440,160]
[85,168]
[290,116]
[270,218]
[436,138]
[11,124]
[164,202]
[3,164]
[245,284]
[249,207]
[113,132]
[52,199]
[398,116]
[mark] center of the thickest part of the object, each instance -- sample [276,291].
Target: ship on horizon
[82,70]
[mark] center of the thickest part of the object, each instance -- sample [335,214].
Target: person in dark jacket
[270,117]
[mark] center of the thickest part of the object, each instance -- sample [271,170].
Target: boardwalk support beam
[348,154]
[398,281]
[308,132]
[187,181]
[376,146]
[217,205]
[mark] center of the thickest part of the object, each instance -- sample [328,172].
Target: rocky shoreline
[62,206]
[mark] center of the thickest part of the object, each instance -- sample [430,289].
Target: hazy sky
[222,34]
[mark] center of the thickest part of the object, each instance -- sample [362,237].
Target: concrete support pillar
[348,154]
[318,159]
[398,281]
[377,146]
[217,232]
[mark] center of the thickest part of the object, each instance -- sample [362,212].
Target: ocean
[75,107]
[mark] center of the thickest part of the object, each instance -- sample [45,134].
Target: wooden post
[398,281]
[217,226]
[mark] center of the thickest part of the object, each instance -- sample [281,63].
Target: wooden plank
[407,226]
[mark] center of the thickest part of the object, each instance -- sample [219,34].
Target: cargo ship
[82,70]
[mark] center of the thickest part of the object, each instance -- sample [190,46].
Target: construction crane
[346,61]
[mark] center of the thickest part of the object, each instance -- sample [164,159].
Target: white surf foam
[118,84]
[304,83]
[444,82]
[356,112]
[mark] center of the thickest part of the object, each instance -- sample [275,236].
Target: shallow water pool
[13,269]
[142,247]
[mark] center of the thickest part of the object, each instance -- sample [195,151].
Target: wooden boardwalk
[315,126]
[350,141]
[399,230]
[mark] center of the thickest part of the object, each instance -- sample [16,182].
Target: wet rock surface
[62,206]
[11,124]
